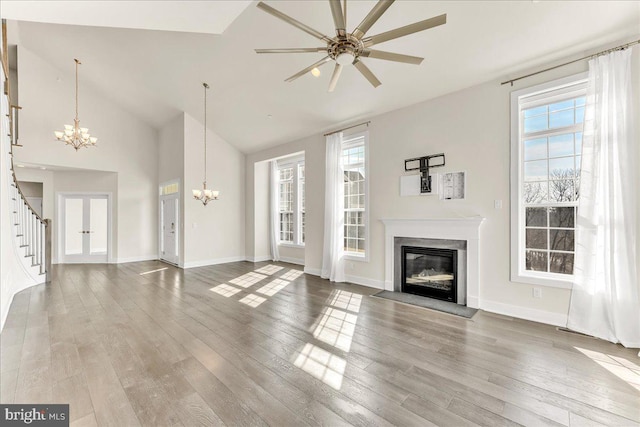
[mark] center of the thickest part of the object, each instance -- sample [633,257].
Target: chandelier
[205,195]
[74,135]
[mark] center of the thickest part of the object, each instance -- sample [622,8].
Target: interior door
[84,235]
[169,229]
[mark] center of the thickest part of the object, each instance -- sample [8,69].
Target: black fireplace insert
[430,272]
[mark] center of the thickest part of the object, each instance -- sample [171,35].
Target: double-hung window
[291,200]
[547,123]
[354,165]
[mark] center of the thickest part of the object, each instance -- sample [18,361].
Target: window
[291,200]
[355,195]
[547,124]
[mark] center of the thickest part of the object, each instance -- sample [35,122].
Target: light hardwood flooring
[243,344]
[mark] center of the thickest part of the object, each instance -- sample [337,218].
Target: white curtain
[604,300]
[274,218]
[332,262]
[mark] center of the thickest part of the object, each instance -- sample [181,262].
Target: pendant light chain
[77,63]
[206,86]
[205,195]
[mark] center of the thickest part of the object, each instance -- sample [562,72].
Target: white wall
[214,233]
[126,145]
[472,128]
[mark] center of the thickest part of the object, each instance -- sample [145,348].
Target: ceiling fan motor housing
[345,50]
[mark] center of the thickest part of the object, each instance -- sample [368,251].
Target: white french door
[169,228]
[85,228]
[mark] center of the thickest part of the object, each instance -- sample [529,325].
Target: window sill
[291,245]
[538,280]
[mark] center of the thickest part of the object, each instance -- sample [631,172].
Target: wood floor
[263,344]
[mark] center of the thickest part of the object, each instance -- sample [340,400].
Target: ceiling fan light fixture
[345,58]
[315,72]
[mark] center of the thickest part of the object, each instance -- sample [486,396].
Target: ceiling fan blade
[375,14]
[338,17]
[293,50]
[390,56]
[366,72]
[291,21]
[406,30]
[334,78]
[309,68]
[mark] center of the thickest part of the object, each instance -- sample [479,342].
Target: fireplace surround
[461,234]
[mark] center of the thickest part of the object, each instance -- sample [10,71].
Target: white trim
[535,315]
[365,281]
[136,259]
[297,261]
[312,271]
[291,245]
[259,258]
[204,263]
[517,272]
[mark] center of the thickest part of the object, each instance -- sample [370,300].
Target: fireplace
[430,272]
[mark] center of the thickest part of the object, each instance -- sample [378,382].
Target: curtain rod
[347,128]
[621,47]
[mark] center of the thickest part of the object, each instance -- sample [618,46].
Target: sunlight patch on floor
[336,328]
[321,364]
[273,287]
[154,271]
[252,300]
[247,280]
[346,301]
[291,275]
[269,269]
[624,369]
[225,290]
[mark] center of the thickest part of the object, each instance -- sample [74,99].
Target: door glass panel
[98,221]
[73,226]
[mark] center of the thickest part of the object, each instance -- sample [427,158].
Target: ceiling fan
[346,47]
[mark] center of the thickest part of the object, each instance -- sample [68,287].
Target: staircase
[25,246]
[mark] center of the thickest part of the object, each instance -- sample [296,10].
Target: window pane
[73,227]
[562,168]
[580,115]
[561,263]
[563,105]
[536,217]
[535,149]
[98,215]
[578,142]
[561,191]
[561,240]
[536,239]
[561,118]
[535,171]
[535,124]
[535,111]
[536,261]
[561,217]
[561,145]
[536,192]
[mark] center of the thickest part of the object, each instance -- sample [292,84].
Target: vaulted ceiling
[159,73]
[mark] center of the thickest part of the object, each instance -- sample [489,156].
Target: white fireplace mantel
[466,228]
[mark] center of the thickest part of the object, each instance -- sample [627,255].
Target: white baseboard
[312,271]
[296,261]
[357,280]
[365,281]
[135,259]
[541,316]
[216,261]
[259,258]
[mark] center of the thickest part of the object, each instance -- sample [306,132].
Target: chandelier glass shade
[205,195]
[74,135]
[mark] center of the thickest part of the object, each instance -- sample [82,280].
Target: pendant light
[74,135]
[205,195]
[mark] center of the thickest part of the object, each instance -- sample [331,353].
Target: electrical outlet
[497,204]
[537,293]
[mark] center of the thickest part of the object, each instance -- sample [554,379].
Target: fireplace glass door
[430,272]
